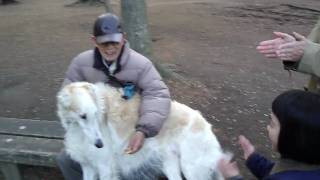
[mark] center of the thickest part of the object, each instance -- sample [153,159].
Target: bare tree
[107,5]
[135,22]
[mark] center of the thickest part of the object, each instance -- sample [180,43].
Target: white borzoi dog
[99,123]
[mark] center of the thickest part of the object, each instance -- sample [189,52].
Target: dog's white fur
[89,112]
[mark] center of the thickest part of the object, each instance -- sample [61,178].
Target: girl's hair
[299,116]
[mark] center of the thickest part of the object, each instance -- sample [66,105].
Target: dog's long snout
[98,143]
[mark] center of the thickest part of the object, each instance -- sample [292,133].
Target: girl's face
[274,131]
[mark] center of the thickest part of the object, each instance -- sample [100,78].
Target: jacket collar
[120,62]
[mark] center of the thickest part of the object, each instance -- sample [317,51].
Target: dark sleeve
[259,165]
[235,178]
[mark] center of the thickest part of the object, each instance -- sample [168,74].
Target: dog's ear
[96,93]
[93,91]
[63,98]
[63,104]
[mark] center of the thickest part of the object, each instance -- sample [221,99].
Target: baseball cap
[107,28]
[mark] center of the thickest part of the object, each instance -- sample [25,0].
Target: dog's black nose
[98,143]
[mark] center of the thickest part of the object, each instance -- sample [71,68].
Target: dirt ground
[211,43]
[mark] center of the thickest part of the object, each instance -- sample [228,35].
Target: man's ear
[123,39]
[124,35]
[94,40]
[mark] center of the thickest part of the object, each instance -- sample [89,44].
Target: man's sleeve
[155,101]
[311,59]
[310,62]
[259,165]
[314,35]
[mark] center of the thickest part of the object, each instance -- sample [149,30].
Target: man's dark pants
[70,169]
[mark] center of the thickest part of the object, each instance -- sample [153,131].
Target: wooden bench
[29,142]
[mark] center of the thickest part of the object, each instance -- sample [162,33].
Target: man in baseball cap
[108,36]
[112,60]
[107,28]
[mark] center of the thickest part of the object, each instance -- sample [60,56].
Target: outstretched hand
[246,146]
[292,51]
[285,47]
[135,143]
[269,48]
[230,169]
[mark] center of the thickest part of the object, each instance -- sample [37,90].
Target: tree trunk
[135,22]
[107,5]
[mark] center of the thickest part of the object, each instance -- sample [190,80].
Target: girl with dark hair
[294,131]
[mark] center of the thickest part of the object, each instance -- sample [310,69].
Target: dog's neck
[118,111]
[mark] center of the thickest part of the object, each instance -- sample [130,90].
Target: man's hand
[285,47]
[292,51]
[135,143]
[269,48]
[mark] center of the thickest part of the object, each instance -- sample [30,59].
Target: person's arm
[297,52]
[238,177]
[154,108]
[314,35]
[259,165]
[310,62]
[156,101]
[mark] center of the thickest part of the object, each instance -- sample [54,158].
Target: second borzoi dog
[99,123]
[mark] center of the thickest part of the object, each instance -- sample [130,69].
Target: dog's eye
[83,116]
